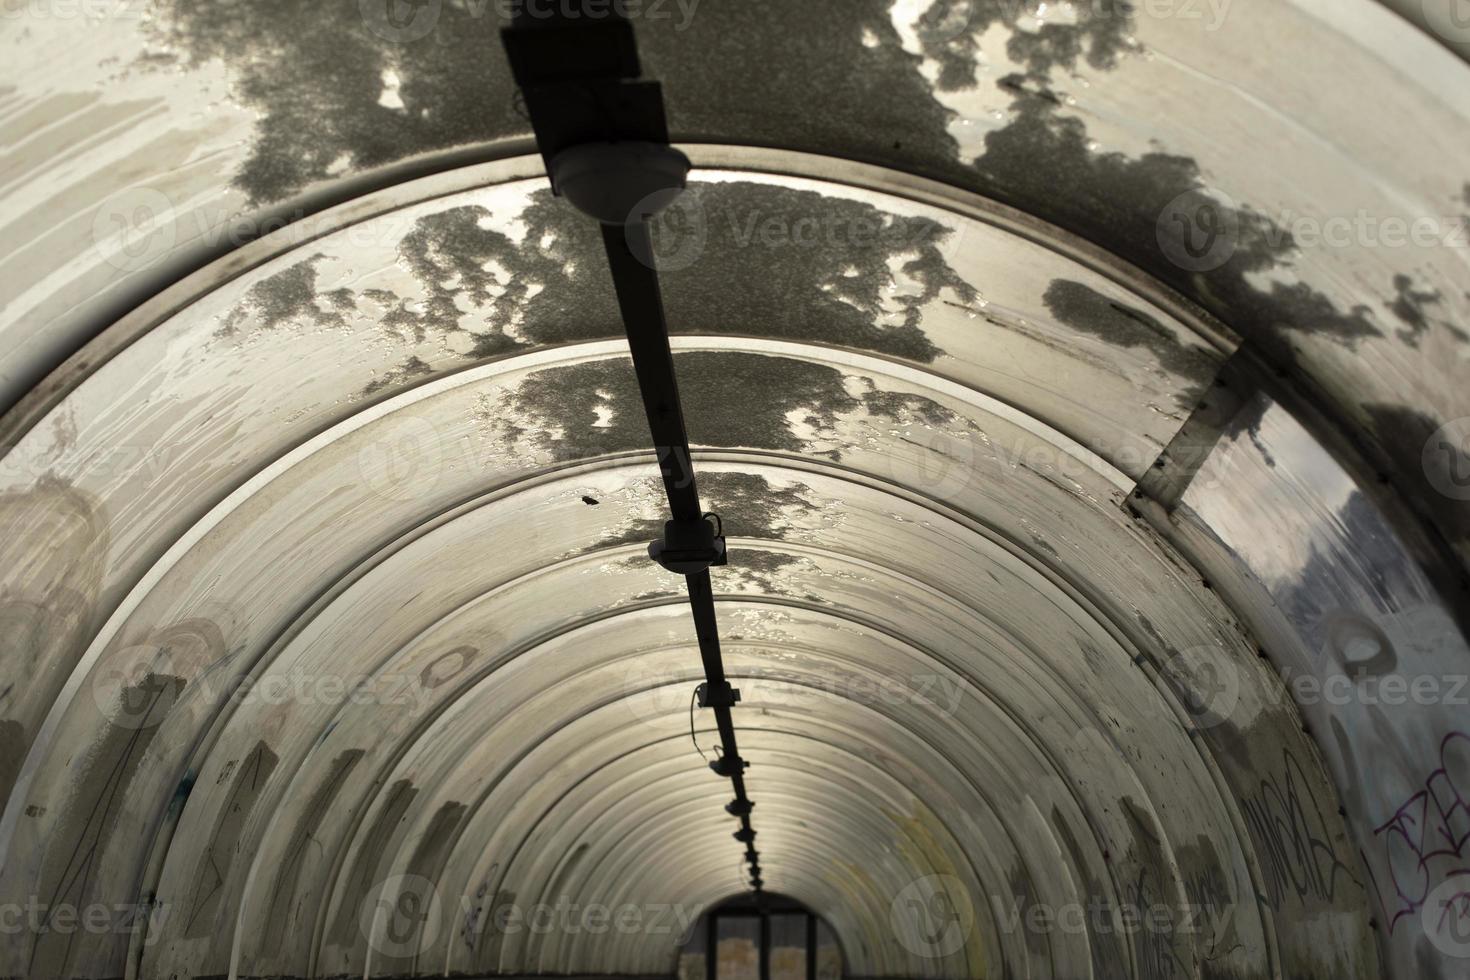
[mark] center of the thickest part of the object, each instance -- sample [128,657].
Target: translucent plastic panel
[144,136]
[1371,654]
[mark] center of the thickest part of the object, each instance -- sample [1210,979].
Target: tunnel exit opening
[771,938]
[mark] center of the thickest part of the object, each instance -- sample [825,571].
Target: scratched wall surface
[323,582]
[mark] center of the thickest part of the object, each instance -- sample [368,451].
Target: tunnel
[1078,390]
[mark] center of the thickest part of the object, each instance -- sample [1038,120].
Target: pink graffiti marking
[1425,838]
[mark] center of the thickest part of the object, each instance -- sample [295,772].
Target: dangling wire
[692,698]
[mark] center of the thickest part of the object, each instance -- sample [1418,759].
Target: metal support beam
[604,137]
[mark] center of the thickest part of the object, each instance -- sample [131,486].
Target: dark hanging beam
[604,137]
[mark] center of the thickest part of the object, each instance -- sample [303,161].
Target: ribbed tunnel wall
[326,493]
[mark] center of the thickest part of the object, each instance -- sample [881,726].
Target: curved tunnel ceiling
[326,491]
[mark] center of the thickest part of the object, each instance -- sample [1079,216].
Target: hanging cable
[603,135]
[694,697]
